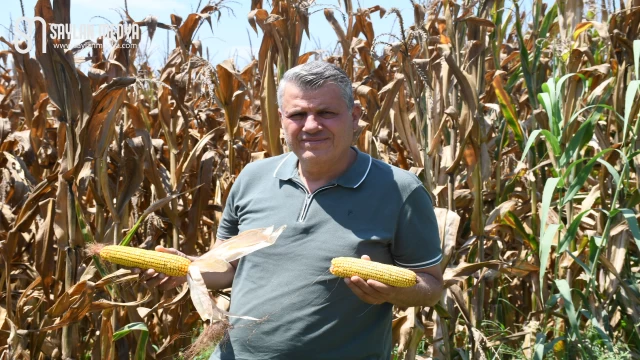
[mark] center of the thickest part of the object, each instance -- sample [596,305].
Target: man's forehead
[327,97]
[290,86]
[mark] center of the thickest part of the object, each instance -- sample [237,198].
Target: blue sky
[229,39]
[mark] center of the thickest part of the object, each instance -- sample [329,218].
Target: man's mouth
[313,141]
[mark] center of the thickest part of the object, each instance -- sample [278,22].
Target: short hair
[315,74]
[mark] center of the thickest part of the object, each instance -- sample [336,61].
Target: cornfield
[522,124]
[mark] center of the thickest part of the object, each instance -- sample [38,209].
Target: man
[335,201]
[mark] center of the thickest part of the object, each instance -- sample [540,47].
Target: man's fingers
[162,248]
[171,282]
[363,291]
[173,251]
[148,274]
[155,281]
[365,257]
[165,284]
[379,287]
[359,293]
[364,287]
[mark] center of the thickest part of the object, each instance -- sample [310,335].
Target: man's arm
[216,281]
[222,280]
[426,292]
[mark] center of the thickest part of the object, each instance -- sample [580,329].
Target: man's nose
[312,124]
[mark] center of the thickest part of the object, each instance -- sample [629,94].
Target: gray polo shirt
[305,312]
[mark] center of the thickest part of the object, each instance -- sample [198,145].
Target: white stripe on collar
[367,172]
[281,162]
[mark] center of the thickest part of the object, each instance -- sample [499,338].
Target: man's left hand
[426,292]
[371,291]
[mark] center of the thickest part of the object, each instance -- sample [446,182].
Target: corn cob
[386,274]
[169,264]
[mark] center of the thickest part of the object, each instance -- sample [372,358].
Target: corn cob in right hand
[169,264]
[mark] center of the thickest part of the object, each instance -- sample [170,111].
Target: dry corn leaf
[269,110]
[448,223]
[103,304]
[462,271]
[107,345]
[410,333]
[44,248]
[201,298]
[245,243]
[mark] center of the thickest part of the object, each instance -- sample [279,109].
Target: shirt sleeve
[417,240]
[229,222]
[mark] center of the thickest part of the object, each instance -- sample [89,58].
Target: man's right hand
[154,279]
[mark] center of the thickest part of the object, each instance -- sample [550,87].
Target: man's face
[318,125]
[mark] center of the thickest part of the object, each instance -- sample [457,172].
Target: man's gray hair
[313,75]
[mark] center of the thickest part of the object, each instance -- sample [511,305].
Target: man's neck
[314,176]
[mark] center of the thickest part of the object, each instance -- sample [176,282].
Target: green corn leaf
[524,59]
[545,100]
[552,301]
[546,233]
[142,342]
[603,106]
[630,216]
[545,249]
[580,139]
[632,89]
[548,99]
[556,99]
[551,139]
[581,177]
[532,139]
[549,18]
[129,328]
[539,348]
[547,196]
[584,266]
[565,292]
[514,221]
[571,232]
[603,335]
[551,89]
[614,173]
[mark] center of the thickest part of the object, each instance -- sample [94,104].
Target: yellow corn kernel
[386,274]
[169,264]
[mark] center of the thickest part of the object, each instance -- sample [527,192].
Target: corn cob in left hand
[386,274]
[165,263]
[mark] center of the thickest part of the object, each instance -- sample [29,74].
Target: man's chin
[314,155]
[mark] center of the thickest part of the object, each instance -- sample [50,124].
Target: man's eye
[327,113]
[296,116]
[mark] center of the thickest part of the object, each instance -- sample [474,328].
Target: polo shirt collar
[354,176]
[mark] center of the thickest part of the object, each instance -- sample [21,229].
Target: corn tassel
[169,264]
[386,274]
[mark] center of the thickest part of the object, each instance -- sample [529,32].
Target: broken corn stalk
[386,274]
[169,264]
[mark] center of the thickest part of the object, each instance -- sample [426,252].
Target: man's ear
[356,113]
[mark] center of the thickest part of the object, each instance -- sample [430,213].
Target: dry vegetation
[523,126]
